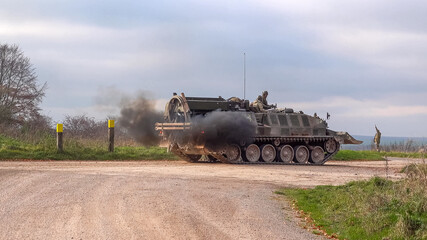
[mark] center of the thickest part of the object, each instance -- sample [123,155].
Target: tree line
[21,94]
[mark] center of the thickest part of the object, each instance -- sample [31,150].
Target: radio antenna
[244,76]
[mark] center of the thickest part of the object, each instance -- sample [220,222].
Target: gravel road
[161,199]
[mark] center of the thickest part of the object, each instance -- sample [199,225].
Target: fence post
[59,134]
[111,135]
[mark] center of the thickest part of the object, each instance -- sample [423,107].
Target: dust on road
[161,199]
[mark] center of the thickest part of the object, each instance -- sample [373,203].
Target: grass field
[77,150]
[373,209]
[45,148]
[347,155]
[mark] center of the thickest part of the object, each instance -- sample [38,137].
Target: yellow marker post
[59,128]
[59,135]
[111,135]
[110,123]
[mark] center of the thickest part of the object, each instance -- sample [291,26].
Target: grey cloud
[196,47]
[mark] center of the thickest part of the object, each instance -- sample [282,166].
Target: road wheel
[252,153]
[286,154]
[317,155]
[268,153]
[331,145]
[301,154]
[233,153]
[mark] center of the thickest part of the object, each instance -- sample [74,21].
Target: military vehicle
[277,136]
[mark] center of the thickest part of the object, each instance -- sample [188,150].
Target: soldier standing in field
[377,139]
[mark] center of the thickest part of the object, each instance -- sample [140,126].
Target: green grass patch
[348,155]
[45,149]
[373,209]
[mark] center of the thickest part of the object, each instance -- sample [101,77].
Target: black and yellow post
[59,135]
[111,135]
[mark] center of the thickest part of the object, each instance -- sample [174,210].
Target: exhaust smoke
[222,127]
[138,115]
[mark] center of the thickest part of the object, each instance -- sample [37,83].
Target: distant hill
[386,141]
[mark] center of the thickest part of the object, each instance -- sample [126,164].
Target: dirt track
[160,200]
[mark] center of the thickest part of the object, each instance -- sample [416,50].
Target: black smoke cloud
[138,115]
[222,127]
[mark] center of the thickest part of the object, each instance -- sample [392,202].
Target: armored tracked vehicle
[231,131]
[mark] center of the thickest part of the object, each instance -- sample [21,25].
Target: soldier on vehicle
[377,139]
[261,104]
[235,99]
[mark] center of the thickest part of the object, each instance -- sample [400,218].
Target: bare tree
[20,94]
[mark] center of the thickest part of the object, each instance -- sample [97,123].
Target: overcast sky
[364,62]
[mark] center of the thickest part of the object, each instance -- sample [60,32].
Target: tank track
[270,140]
[327,158]
[187,158]
[175,150]
[301,139]
[223,159]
